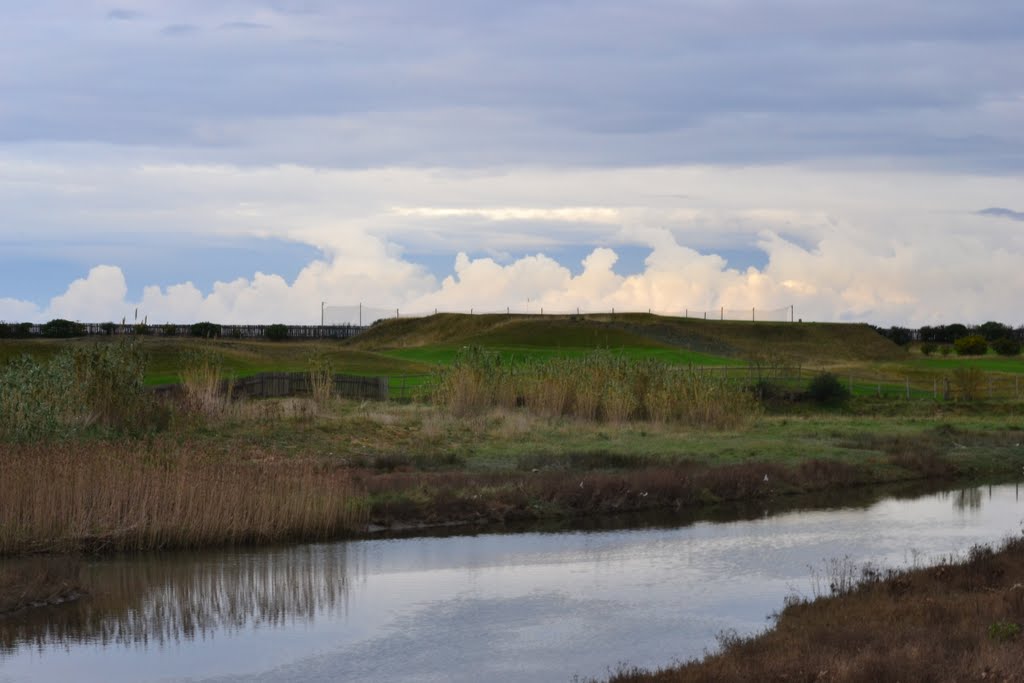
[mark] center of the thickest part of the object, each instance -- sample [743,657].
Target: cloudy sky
[246,160]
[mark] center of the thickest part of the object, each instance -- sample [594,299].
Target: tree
[972,345]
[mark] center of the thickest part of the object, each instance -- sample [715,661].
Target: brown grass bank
[113,496]
[959,621]
[591,484]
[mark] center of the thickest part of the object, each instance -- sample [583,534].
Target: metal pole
[360,314]
[322,314]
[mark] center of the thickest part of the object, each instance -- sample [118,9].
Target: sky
[251,160]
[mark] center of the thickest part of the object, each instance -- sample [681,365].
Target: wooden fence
[282,384]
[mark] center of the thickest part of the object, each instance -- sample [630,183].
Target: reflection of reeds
[104,496]
[32,582]
[600,386]
[168,597]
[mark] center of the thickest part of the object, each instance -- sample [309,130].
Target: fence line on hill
[360,315]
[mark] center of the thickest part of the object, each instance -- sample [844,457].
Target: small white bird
[766,477]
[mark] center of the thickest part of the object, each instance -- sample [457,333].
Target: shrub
[969,382]
[206,330]
[58,328]
[276,332]
[928,348]
[108,328]
[945,350]
[169,330]
[972,345]
[826,389]
[1006,346]
[143,329]
[94,385]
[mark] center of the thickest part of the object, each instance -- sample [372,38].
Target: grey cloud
[118,14]
[179,29]
[242,26]
[1003,213]
[477,83]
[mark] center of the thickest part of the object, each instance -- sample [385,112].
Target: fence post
[851,385]
[935,389]
[908,388]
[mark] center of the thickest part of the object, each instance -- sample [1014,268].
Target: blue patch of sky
[37,272]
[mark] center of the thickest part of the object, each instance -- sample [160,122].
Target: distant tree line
[60,328]
[966,340]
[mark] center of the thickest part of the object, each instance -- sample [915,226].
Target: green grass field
[409,348]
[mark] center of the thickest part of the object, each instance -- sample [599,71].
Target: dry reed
[123,496]
[600,386]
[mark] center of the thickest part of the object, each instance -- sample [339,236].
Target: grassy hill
[415,345]
[711,340]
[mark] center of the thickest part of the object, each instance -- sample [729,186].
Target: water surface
[509,607]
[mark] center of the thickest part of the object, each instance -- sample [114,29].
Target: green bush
[97,385]
[169,330]
[58,328]
[826,389]
[1006,346]
[108,328]
[945,349]
[928,348]
[276,332]
[143,329]
[206,330]
[972,345]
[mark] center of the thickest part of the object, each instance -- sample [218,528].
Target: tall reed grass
[600,386]
[205,394]
[97,496]
[321,377]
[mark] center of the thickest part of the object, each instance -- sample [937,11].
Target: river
[531,606]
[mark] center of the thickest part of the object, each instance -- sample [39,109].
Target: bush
[205,330]
[143,329]
[169,330]
[58,328]
[972,345]
[276,332]
[928,348]
[108,328]
[826,389]
[94,385]
[1007,346]
[945,350]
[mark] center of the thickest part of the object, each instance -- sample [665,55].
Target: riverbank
[295,470]
[960,620]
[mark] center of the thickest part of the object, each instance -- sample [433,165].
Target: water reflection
[160,598]
[541,605]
